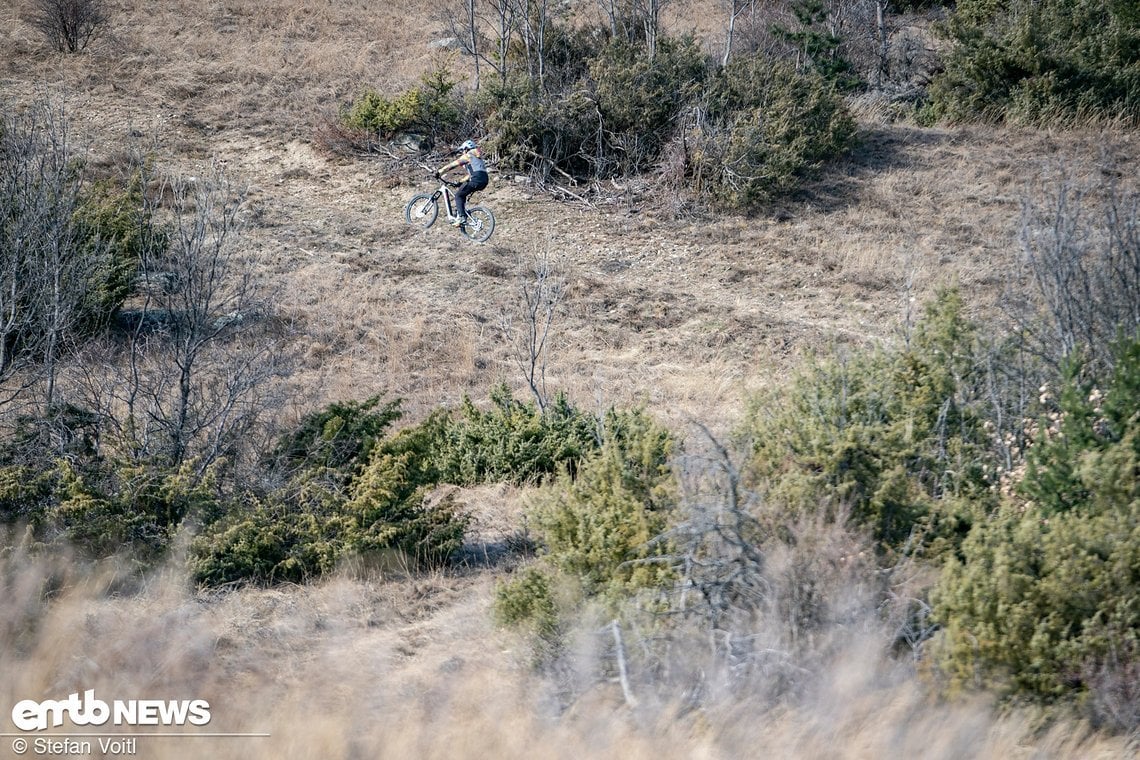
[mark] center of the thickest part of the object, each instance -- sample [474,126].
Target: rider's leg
[476,182]
[461,200]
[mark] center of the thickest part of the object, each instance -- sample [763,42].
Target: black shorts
[477,181]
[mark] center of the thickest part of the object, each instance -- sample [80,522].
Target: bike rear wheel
[421,210]
[480,223]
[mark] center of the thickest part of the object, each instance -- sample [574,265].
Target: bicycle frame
[445,189]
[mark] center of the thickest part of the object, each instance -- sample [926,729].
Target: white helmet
[468,145]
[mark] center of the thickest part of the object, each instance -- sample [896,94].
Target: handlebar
[442,179]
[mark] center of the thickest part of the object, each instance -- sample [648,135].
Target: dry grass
[358,668]
[686,316]
[219,67]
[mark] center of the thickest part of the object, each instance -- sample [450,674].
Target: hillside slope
[686,315]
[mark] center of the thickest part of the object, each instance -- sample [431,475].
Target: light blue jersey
[473,161]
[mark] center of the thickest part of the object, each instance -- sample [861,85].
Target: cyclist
[471,159]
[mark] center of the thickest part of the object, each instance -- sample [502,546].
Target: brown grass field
[688,317]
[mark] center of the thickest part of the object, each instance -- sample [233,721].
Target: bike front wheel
[421,211]
[480,223]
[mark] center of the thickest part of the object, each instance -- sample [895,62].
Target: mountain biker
[471,159]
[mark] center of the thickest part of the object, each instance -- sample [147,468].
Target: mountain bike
[423,209]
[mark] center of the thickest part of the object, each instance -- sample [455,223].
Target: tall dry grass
[264,66]
[355,668]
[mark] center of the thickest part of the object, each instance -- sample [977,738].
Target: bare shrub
[308,660]
[757,592]
[56,264]
[39,194]
[1114,687]
[1078,281]
[527,329]
[187,373]
[69,25]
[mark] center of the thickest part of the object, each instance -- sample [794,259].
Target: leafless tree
[720,565]
[46,267]
[635,19]
[535,21]
[187,372]
[736,9]
[472,37]
[69,25]
[749,24]
[193,371]
[755,583]
[23,209]
[883,41]
[528,329]
[470,24]
[504,34]
[864,28]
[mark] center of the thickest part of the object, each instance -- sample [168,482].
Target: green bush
[817,44]
[614,117]
[116,231]
[639,97]
[431,109]
[388,510]
[383,521]
[601,532]
[349,494]
[25,494]
[526,601]
[1045,601]
[602,526]
[104,507]
[541,133]
[266,544]
[336,439]
[894,437]
[513,441]
[767,126]
[1041,61]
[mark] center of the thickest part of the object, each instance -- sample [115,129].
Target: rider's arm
[454,164]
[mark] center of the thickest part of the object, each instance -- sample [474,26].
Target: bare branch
[540,291]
